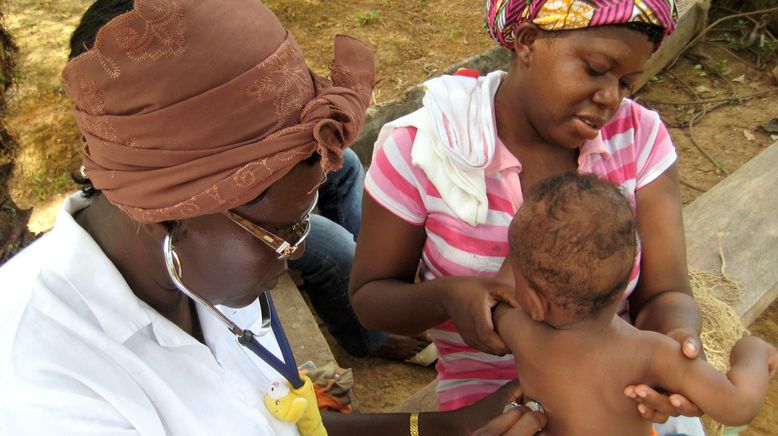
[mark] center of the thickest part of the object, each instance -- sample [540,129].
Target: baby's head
[572,248]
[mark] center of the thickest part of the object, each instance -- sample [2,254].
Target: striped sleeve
[393,181]
[655,149]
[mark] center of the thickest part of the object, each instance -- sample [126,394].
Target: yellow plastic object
[296,405]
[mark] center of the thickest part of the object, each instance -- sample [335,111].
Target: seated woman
[446,180]
[146,309]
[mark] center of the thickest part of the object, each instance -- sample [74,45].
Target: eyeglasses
[285,248]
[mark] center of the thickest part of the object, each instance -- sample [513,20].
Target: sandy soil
[413,40]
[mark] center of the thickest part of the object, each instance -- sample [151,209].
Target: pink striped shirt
[634,148]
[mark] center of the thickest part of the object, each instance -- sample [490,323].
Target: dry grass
[39,115]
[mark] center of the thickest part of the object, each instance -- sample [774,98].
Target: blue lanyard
[287,368]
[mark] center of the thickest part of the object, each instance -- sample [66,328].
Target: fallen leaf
[749,136]
[702,89]
[740,79]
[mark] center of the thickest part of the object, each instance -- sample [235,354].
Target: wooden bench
[302,331]
[742,208]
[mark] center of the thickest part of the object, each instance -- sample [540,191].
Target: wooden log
[301,329]
[742,207]
[692,18]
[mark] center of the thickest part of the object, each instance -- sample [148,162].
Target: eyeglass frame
[283,248]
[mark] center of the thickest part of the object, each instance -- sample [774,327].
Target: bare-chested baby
[572,248]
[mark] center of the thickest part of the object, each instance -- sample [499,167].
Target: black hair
[95,17]
[574,240]
[654,33]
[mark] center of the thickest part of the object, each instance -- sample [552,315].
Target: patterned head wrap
[191,107]
[502,16]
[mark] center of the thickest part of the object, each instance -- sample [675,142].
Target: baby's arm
[731,399]
[511,323]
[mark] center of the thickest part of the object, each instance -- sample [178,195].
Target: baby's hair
[574,240]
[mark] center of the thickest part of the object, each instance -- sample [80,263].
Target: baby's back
[579,378]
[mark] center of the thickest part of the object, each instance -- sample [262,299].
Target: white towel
[455,140]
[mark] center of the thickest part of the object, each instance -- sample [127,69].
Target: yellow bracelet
[415,424]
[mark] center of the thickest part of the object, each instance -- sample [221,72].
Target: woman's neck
[539,158]
[136,251]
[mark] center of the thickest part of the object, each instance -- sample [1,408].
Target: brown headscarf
[192,107]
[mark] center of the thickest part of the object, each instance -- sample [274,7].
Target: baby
[572,249]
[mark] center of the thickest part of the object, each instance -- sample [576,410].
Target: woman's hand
[518,421]
[487,418]
[469,302]
[656,407]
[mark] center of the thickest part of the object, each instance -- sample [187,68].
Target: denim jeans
[325,265]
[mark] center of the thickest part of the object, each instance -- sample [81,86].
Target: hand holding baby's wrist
[691,346]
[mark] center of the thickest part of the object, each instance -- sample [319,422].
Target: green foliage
[732,41]
[719,68]
[767,45]
[700,71]
[42,187]
[742,31]
[735,99]
[369,17]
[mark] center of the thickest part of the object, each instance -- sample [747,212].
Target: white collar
[102,288]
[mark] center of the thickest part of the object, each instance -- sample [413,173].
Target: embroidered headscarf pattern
[502,16]
[186,113]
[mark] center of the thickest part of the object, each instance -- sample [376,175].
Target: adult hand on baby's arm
[657,407]
[469,302]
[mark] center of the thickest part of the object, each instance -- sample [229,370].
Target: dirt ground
[413,40]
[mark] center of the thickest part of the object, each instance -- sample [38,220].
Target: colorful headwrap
[193,107]
[502,16]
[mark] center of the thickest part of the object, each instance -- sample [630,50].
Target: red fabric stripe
[397,182]
[469,243]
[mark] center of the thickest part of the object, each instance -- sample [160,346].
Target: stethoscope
[247,338]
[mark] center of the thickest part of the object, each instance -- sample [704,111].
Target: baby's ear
[537,304]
